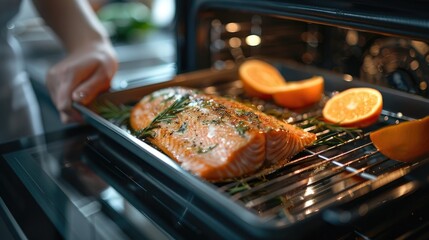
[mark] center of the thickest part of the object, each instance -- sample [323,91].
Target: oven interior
[336,183]
[389,50]
[349,185]
[342,188]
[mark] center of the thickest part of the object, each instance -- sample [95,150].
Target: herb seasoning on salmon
[214,137]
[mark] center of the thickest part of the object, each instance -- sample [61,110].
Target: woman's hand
[80,77]
[90,63]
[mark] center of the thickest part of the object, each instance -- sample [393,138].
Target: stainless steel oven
[103,180]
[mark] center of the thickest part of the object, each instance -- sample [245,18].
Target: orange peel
[260,79]
[301,93]
[406,141]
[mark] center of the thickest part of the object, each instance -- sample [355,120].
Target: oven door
[80,184]
[57,183]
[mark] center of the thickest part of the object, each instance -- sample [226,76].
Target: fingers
[58,87]
[58,81]
[89,89]
[79,77]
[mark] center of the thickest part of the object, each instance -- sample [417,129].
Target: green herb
[253,117]
[183,127]
[214,121]
[240,112]
[206,150]
[241,128]
[165,116]
[220,109]
[206,103]
[241,186]
[117,114]
[335,132]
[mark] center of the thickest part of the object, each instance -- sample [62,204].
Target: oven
[98,181]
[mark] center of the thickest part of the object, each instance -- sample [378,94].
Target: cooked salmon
[214,137]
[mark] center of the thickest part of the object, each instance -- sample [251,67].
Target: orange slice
[354,107]
[406,141]
[301,93]
[260,79]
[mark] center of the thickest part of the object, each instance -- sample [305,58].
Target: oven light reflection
[308,192]
[423,86]
[348,77]
[219,44]
[352,37]
[404,189]
[421,47]
[414,65]
[234,42]
[114,199]
[232,27]
[253,40]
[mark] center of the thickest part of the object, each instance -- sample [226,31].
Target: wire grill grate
[317,177]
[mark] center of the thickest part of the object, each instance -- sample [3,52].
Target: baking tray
[240,220]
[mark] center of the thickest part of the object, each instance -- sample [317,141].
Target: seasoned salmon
[214,137]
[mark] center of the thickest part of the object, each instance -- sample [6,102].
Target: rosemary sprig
[333,138]
[118,114]
[241,186]
[165,116]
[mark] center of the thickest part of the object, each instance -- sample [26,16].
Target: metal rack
[308,184]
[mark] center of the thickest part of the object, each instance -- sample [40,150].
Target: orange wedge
[301,93]
[260,79]
[354,107]
[406,141]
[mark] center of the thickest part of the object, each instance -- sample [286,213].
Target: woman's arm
[90,62]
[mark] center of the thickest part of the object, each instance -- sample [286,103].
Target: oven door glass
[53,182]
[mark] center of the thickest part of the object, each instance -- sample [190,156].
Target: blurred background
[142,32]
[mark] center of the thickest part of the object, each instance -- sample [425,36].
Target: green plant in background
[125,21]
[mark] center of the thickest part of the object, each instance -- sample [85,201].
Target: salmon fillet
[214,137]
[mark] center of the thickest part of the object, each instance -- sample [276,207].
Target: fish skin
[217,138]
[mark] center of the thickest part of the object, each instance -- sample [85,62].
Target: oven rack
[320,176]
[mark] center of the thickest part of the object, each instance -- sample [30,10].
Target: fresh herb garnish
[183,127]
[206,103]
[117,114]
[241,112]
[241,186]
[213,121]
[251,116]
[241,128]
[201,150]
[335,132]
[165,116]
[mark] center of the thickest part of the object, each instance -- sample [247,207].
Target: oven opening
[342,178]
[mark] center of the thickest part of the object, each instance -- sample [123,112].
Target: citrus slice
[260,79]
[406,141]
[301,93]
[354,107]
